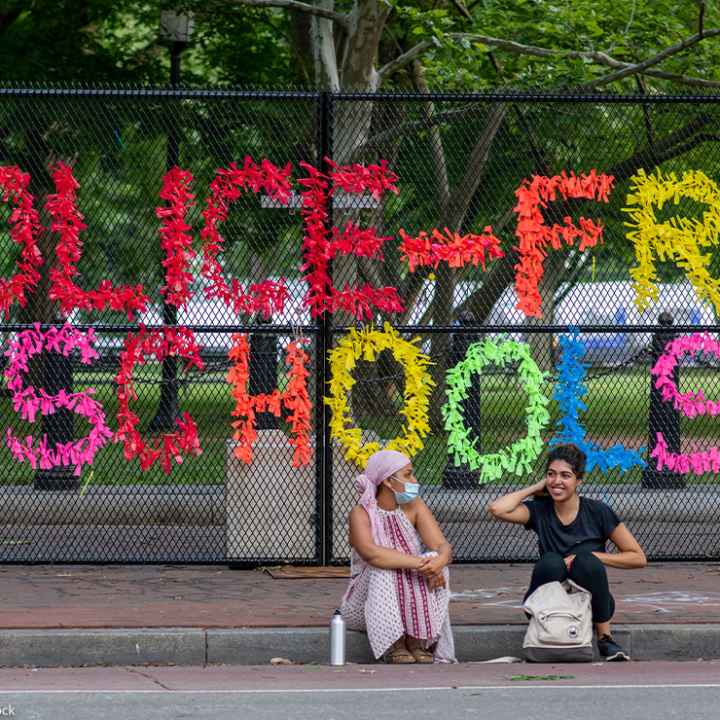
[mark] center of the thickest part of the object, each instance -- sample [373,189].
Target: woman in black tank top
[572,534]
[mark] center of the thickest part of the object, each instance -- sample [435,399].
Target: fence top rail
[154,93]
[547,329]
[528,97]
[525,96]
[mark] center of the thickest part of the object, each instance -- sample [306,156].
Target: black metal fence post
[457,478]
[60,426]
[263,370]
[323,441]
[663,417]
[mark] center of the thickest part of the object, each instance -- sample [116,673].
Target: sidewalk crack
[147,676]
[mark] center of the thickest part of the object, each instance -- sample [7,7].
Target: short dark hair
[572,455]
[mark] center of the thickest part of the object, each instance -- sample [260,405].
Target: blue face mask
[411,492]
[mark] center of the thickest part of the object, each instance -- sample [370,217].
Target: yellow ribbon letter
[367,344]
[680,239]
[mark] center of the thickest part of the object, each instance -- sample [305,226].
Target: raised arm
[510,507]
[381,557]
[630,555]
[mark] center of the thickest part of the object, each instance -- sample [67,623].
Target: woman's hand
[540,487]
[569,561]
[431,565]
[436,581]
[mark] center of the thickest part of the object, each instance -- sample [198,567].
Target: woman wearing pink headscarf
[398,593]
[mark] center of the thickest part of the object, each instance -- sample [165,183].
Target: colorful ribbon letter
[367,344]
[229,184]
[24,228]
[170,341]
[28,401]
[569,393]
[295,398]
[321,243]
[519,457]
[535,235]
[680,239]
[691,404]
[175,237]
[68,223]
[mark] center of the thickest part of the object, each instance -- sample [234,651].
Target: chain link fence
[459,160]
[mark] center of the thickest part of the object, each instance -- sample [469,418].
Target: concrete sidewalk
[195,615]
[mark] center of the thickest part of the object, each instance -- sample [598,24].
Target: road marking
[303,691]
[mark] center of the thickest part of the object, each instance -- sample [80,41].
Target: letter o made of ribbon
[518,457]
[366,345]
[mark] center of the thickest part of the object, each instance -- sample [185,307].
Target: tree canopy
[459,162]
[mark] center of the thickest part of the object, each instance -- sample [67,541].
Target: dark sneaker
[610,651]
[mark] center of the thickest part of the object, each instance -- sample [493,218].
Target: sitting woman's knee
[589,562]
[587,565]
[551,564]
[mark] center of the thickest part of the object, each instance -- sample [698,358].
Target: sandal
[398,654]
[421,655]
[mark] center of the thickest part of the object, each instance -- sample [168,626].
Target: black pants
[586,570]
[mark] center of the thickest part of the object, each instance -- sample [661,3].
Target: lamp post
[176,30]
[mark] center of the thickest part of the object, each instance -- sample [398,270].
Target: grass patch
[617,412]
[209,404]
[617,401]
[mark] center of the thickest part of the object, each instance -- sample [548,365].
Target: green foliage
[120,148]
[629,32]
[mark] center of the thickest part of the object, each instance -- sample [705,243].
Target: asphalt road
[502,692]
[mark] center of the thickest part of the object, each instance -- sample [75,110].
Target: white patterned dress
[391,603]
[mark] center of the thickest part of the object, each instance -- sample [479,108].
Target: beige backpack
[560,628]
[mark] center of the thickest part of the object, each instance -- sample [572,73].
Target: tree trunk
[542,345]
[453,216]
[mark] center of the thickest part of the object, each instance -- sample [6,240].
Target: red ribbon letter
[24,227]
[319,249]
[67,221]
[169,341]
[229,183]
[175,239]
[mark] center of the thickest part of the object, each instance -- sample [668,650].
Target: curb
[257,646]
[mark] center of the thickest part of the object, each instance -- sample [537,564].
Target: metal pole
[168,408]
[60,426]
[323,343]
[263,369]
[662,417]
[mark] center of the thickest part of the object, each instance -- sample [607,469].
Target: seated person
[572,532]
[398,593]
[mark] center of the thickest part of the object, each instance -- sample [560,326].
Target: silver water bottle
[337,639]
